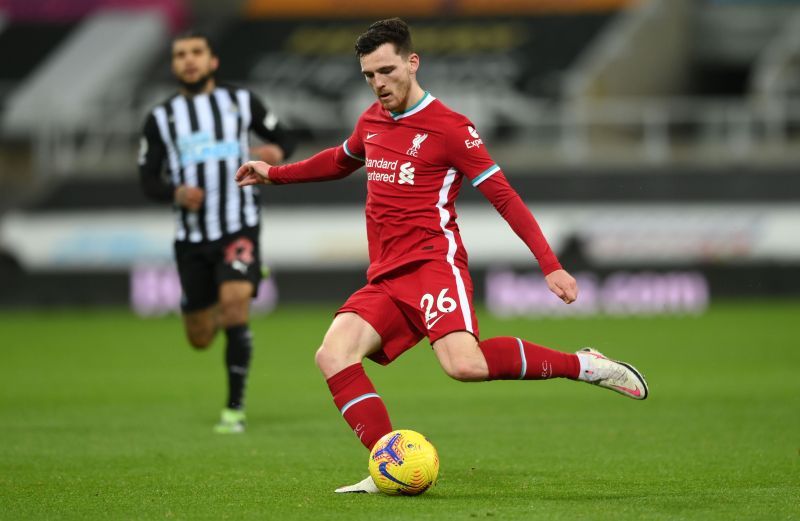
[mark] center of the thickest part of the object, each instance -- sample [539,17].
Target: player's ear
[413,62]
[214,63]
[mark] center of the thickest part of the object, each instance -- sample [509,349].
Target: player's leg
[199,298]
[460,357]
[501,358]
[234,310]
[453,331]
[200,327]
[348,341]
[509,358]
[370,325]
[238,274]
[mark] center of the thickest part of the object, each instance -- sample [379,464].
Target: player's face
[193,63]
[390,76]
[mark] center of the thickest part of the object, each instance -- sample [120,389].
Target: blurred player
[417,153]
[201,133]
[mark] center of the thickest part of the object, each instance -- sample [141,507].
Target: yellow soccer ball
[404,462]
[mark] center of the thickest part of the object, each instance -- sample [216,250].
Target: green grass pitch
[106,416]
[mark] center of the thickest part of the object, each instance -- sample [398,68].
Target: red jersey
[415,164]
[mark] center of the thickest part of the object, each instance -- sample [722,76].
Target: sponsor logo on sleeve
[473,143]
[142,150]
[270,121]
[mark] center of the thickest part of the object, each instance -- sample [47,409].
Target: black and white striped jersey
[203,139]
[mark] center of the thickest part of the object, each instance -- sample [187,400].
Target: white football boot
[365,486]
[597,369]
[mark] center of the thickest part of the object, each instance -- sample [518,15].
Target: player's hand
[189,197]
[563,285]
[253,173]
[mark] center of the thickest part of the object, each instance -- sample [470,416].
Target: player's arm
[468,154]
[509,204]
[332,163]
[280,141]
[152,154]
[155,184]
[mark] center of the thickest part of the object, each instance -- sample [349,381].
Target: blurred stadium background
[657,141]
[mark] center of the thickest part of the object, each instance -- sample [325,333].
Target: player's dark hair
[194,33]
[392,30]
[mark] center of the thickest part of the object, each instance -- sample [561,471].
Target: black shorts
[204,266]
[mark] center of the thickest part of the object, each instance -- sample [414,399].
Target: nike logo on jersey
[432,323]
[370,136]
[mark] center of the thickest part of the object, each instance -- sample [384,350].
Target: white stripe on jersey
[250,204]
[183,129]
[205,123]
[160,113]
[233,221]
[444,217]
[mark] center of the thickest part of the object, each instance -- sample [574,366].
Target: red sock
[510,358]
[360,406]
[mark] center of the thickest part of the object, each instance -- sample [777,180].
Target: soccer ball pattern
[404,462]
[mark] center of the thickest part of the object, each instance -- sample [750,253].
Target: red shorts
[431,298]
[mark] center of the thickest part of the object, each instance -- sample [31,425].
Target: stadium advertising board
[619,293]
[155,290]
[652,257]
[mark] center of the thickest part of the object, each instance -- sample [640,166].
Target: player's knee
[321,358]
[328,361]
[200,340]
[234,312]
[461,358]
[331,357]
[465,371]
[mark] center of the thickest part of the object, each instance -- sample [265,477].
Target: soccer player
[417,153]
[201,133]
